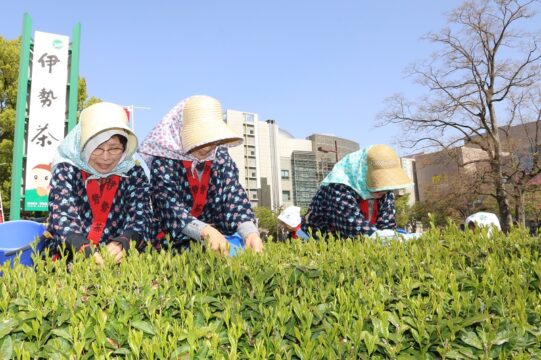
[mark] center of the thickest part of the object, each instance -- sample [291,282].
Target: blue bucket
[17,237]
[235,244]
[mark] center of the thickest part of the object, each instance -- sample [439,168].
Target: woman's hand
[98,259]
[215,240]
[115,249]
[253,241]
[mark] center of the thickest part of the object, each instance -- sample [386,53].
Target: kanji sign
[47,114]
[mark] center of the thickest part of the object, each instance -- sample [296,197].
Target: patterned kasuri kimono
[74,184]
[189,194]
[344,206]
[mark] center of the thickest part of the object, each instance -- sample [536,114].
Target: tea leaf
[475,319]
[7,326]
[6,348]
[143,326]
[63,333]
[470,338]
[122,351]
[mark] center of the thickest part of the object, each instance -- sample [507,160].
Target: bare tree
[524,162]
[477,80]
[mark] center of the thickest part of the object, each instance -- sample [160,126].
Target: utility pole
[335,151]
[131,111]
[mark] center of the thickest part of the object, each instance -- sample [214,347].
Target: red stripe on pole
[127,110]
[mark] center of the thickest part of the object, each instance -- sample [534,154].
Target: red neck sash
[198,187]
[294,233]
[101,193]
[364,206]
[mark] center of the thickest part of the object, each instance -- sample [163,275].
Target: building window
[251,131]
[253,174]
[285,174]
[249,118]
[286,195]
[254,196]
[252,152]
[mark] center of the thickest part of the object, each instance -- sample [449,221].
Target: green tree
[83,101]
[403,211]
[9,72]
[533,205]
[267,220]
[425,212]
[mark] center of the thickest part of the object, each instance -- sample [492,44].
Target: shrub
[450,294]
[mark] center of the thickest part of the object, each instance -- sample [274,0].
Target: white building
[264,160]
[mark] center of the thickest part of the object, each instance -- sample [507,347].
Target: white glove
[388,234]
[385,233]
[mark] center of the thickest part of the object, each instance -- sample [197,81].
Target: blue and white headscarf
[69,150]
[351,170]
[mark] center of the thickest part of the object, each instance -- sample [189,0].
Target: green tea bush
[449,294]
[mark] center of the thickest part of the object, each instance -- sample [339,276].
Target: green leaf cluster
[9,73]
[449,294]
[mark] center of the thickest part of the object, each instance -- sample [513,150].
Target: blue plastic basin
[235,244]
[17,237]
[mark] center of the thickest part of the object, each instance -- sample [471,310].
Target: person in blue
[195,188]
[357,196]
[99,196]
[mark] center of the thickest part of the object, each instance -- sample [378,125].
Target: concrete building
[305,184]
[439,173]
[264,161]
[291,176]
[519,144]
[247,156]
[329,150]
[276,169]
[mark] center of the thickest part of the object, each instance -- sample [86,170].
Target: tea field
[447,295]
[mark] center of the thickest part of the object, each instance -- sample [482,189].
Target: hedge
[449,294]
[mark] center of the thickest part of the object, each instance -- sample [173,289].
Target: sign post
[42,110]
[46,116]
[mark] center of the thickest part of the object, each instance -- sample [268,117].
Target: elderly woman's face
[106,156]
[378,194]
[203,152]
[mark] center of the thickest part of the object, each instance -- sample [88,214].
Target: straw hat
[384,171]
[203,124]
[101,121]
[291,216]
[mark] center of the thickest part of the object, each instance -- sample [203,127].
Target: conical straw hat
[384,171]
[202,124]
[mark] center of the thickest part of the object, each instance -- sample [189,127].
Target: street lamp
[326,150]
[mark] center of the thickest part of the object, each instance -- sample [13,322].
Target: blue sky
[313,66]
